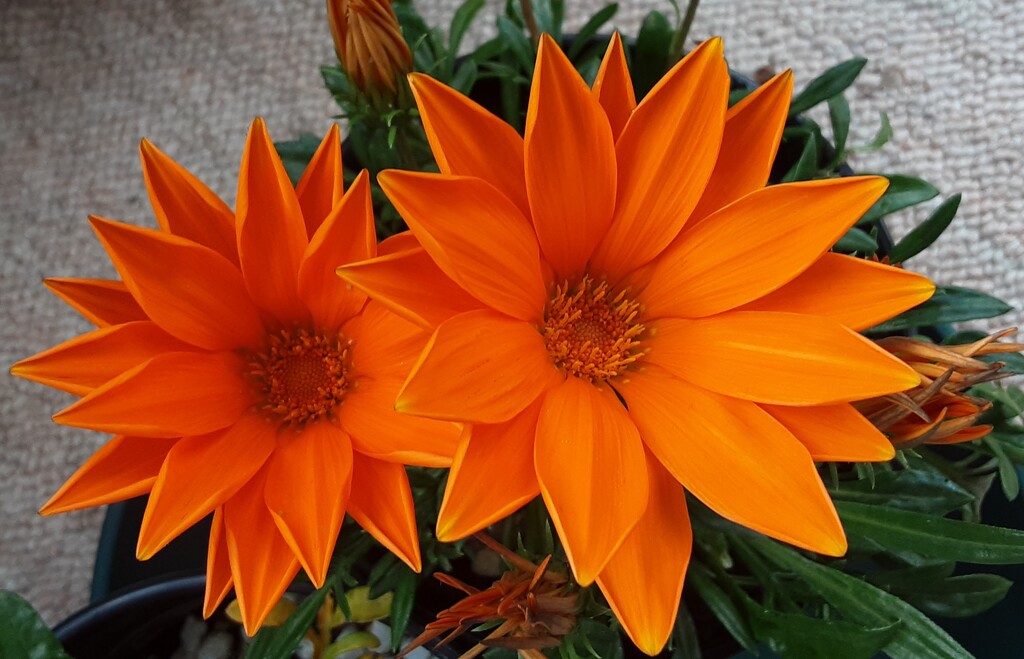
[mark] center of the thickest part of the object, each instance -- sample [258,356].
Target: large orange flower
[619,305]
[243,378]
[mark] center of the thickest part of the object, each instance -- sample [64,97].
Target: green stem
[531,21]
[679,38]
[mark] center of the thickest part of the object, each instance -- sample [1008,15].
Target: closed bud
[369,44]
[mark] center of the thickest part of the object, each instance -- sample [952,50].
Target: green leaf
[920,490]
[856,240]
[518,44]
[949,304]
[924,234]
[800,635]
[359,640]
[733,618]
[839,114]
[959,597]
[650,55]
[401,606]
[903,192]
[1008,479]
[827,85]
[465,76]
[864,604]
[296,154]
[931,536]
[277,642]
[461,21]
[23,633]
[881,138]
[685,642]
[590,28]
[806,166]
[911,578]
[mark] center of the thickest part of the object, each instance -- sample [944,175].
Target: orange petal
[262,563]
[480,367]
[836,433]
[729,259]
[218,566]
[399,242]
[346,235]
[666,154]
[780,358]
[322,184]
[383,345]
[189,290]
[381,502]
[571,203]
[410,284]
[377,430]
[613,86]
[656,554]
[855,292]
[753,130]
[200,474]
[123,468]
[592,472]
[736,458]
[184,206]
[489,454]
[467,140]
[270,229]
[308,481]
[85,362]
[476,236]
[173,394]
[102,301]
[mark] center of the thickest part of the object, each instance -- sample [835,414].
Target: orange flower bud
[369,43]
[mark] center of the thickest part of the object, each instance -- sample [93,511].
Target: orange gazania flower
[619,306]
[369,43]
[243,378]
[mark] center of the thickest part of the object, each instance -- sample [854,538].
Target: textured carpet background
[82,82]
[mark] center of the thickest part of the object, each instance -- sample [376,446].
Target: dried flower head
[536,608]
[938,411]
[370,44]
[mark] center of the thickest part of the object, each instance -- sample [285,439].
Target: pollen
[300,376]
[591,331]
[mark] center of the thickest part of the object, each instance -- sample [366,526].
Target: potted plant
[643,325]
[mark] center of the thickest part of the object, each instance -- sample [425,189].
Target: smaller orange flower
[536,608]
[938,411]
[369,43]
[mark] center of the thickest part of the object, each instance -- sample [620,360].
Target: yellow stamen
[591,332]
[300,376]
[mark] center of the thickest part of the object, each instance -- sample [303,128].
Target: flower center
[299,375]
[590,332]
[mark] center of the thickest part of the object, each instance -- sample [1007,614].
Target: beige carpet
[81,82]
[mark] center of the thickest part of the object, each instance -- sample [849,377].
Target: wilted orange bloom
[369,43]
[938,411]
[535,606]
[619,306]
[243,378]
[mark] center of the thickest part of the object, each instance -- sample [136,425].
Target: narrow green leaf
[800,635]
[401,606]
[931,536]
[806,166]
[882,136]
[1008,479]
[911,578]
[734,619]
[918,489]
[839,114]
[949,304]
[461,21]
[926,233]
[856,240]
[862,603]
[276,642]
[590,28]
[23,633]
[903,192]
[959,597]
[518,44]
[465,76]
[650,55]
[685,641]
[827,85]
